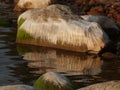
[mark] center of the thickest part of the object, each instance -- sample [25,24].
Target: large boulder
[28,4]
[54,81]
[17,87]
[107,24]
[111,85]
[55,26]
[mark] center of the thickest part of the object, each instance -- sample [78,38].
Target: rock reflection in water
[68,63]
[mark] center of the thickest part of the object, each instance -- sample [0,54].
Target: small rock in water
[17,87]
[54,81]
[109,55]
[111,85]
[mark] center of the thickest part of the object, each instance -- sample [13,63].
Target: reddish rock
[96,11]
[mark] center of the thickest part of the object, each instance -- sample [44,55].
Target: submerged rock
[17,87]
[28,4]
[109,56]
[111,85]
[56,26]
[54,81]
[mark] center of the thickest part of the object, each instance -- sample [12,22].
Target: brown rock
[28,4]
[96,11]
[109,55]
[111,85]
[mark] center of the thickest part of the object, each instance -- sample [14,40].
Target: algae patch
[20,22]
[59,82]
[22,34]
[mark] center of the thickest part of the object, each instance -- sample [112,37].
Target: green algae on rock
[22,34]
[54,81]
[20,22]
[56,26]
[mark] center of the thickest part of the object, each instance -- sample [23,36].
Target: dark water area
[23,64]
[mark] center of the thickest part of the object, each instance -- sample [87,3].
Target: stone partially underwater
[17,87]
[110,85]
[54,81]
[56,26]
[28,4]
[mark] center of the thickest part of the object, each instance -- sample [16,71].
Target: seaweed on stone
[22,34]
[54,81]
[20,22]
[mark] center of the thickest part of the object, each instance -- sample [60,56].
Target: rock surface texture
[54,81]
[112,85]
[28,4]
[107,25]
[56,26]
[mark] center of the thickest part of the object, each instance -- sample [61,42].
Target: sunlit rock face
[44,60]
[28,4]
[17,87]
[107,25]
[111,85]
[54,81]
[56,26]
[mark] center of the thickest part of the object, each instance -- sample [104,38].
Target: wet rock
[109,56]
[28,4]
[56,26]
[111,85]
[107,25]
[54,81]
[17,87]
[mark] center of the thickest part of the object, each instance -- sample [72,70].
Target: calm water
[23,64]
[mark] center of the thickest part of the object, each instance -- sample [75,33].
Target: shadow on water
[25,63]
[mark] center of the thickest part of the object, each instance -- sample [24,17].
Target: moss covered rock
[56,26]
[54,81]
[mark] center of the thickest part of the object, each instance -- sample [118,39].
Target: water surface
[23,64]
